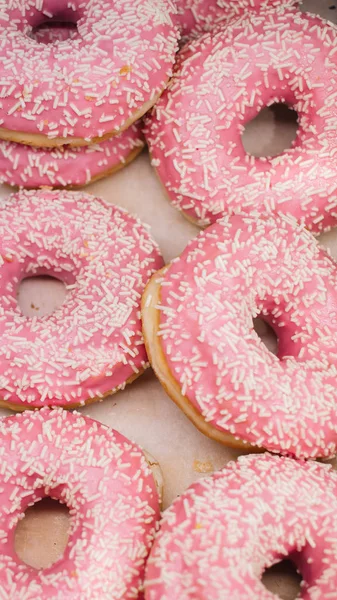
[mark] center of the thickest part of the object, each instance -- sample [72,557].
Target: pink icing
[30,167]
[198,16]
[217,539]
[108,487]
[236,270]
[89,85]
[221,82]
[93,342]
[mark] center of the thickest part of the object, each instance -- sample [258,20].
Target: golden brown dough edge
[157,475]
[150,322]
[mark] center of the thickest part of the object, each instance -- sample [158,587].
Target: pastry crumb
[200,466]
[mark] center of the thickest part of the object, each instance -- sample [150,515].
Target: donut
[198,327]
[197,16]
[219,537]
[221,82]
[90,86]
[106,483]
[92,344]
[67,166]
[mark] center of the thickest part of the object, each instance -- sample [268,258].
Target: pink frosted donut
[29,167]
[197,16]
[109,489]
[92,344]
[218,538]
[198,325]
[90,86]
[221,82]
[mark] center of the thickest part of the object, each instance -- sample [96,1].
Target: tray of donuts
[168,316]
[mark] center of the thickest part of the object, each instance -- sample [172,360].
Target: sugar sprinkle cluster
[221,81]
[198,16]
[91,84]
[238,269]
[93,343]
[217,539]
[108,487]
[28,167]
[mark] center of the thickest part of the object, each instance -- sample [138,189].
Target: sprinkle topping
[108,487]
[92,344]
[221,82]
[217,539]
[238,269]
[29,167]
[122,58]
[197,16]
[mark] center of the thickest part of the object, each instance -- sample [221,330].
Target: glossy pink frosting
[217,539]
[221,82]
[29,167]
[91,84]
[106,483]
[93,342]
[238,269]
[197,16]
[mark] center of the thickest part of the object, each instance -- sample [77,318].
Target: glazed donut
[90,87]
[217,539]
[221,82]
[67,166]
[197,16]
[92,344]
[106,483]
[198,326]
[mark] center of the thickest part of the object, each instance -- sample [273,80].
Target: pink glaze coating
[221,82]
[106,483]
[89,85]
[29,167]
[217,539]
[197,16]
[92,344]
[238,269]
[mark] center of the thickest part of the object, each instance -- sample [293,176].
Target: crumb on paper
[125,70]
[200,466]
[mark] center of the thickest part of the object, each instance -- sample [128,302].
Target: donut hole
[50,32]
[283,580]
[58,27]
[42,535]
[271,132]
[39,296]
[266,334]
